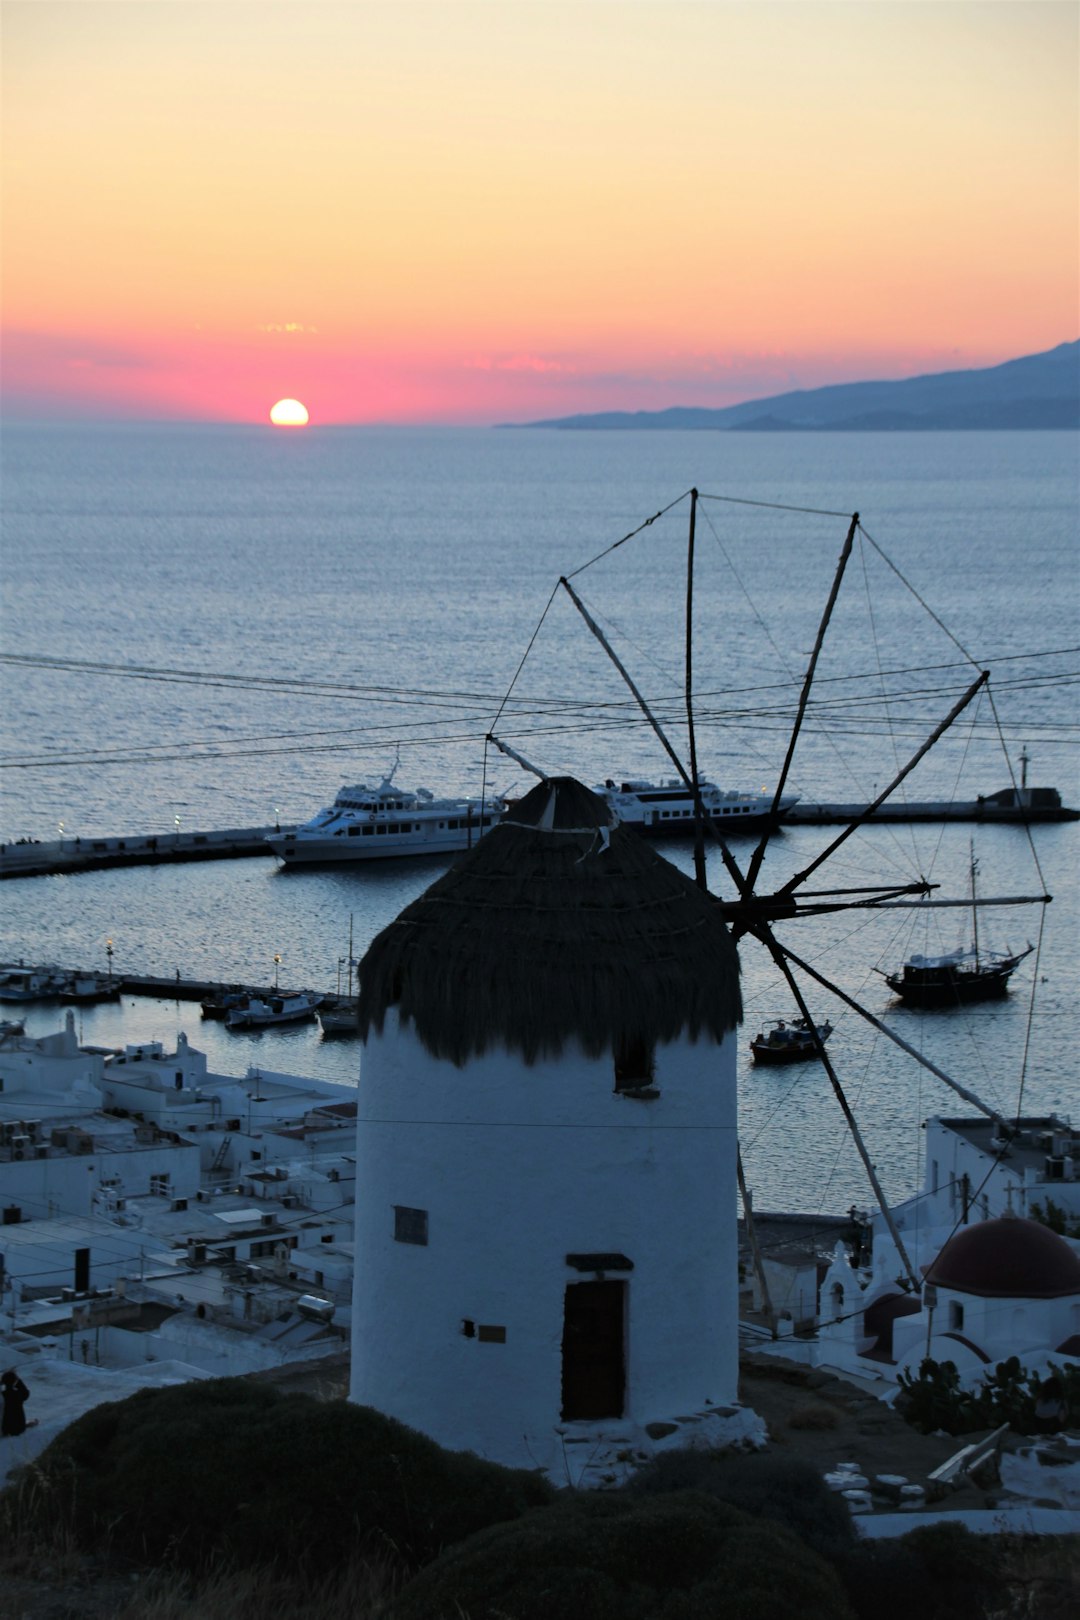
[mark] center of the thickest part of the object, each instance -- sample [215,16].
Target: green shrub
[678,1556]
[935,1398]
[789,1493]
[229,1468]
[939,1572]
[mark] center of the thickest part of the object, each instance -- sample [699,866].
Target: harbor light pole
[277,964]
[109,954]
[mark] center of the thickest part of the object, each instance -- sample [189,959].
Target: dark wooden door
[594,1350]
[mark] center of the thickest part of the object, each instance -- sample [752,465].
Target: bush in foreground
[233,1469]
[683,1556]
[789,1493]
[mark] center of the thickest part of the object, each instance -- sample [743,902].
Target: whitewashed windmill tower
[546,1245]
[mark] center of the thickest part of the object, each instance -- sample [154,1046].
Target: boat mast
[695,782]
[974,907]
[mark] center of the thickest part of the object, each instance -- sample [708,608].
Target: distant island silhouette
[1036,391]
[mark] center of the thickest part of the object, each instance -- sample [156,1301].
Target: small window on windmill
[410,1225]
[633,1063]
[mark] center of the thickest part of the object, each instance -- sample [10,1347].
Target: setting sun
[289,413]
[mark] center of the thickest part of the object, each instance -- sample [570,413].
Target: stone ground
[811,1416]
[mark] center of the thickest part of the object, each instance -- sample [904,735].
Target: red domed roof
[1009,1258]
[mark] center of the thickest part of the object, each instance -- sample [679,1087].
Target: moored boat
[339,1015]
[87,988]
[220,1005]
[666,809]
[784,1042]
[954,979]
[290,1007]
[32,984]
[373,823]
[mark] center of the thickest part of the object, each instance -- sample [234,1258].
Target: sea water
[211,627]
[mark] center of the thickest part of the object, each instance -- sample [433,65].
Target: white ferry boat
[372,823]
[666,809]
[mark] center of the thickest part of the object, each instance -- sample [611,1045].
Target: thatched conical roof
[558,926]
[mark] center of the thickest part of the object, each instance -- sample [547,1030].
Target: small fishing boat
[11,1026]
[32,984]
[784,1042]
[85,989]
[220,1005]
[339,1015]
[288,1007]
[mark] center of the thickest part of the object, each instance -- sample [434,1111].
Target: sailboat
[958,976]
[338,1014]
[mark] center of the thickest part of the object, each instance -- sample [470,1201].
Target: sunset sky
[459,212]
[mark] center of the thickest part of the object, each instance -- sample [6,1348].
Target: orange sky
[441,210]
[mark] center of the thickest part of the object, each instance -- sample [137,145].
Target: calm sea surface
[223,625]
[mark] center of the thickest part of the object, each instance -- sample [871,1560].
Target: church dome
[557,926]
[1008,1258]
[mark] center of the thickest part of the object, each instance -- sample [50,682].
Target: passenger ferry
[373,823]
[666,809]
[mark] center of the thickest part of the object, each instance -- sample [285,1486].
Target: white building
[981,1167]
[153,1211]
[546,1247]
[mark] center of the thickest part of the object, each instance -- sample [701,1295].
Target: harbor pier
[29,858]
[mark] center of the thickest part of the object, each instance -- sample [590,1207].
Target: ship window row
[385,827]
[728,810]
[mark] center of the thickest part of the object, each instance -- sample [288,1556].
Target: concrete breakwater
[1019,805]
[28,858]
[160,987]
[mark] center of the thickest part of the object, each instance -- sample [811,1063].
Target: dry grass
[359,1591]
[1041,1578]
[817,1416]
[44,1574]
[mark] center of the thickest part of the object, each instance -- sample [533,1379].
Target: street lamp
[108,953]
[277,964]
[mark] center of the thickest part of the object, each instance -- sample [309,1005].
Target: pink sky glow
[460,212]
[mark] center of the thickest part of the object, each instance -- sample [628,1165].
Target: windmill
[752,910]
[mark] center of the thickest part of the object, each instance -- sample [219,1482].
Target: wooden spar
[849,1001]
[755,1247]
[729,862]
[963,905]
[778,955]
[804,698]
[943,726]
[695,780]
[512,753]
